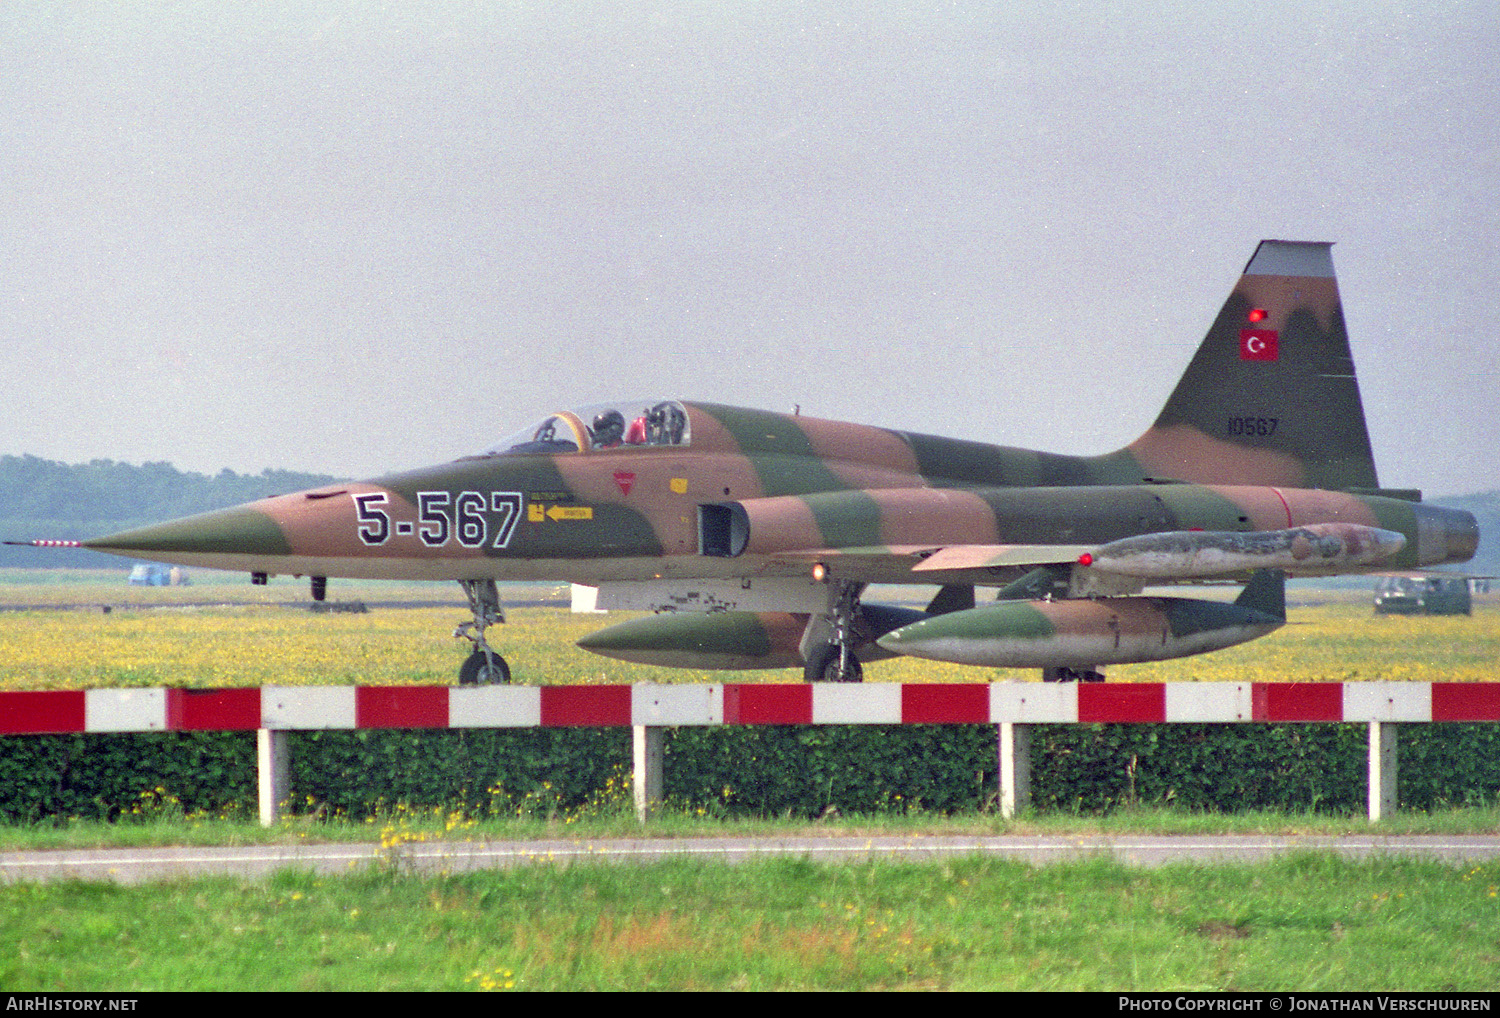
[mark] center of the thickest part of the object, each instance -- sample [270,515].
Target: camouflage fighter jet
[754,534]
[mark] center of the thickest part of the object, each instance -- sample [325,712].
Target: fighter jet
[754,535]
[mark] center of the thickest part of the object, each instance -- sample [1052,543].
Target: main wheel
[1072,675]
[823,666]
[477,671]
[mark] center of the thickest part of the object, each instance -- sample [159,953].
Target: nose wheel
[484,666]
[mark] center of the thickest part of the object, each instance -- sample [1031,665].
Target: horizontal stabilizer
[994,556]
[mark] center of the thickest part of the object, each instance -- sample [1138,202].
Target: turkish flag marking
[1259,345]
[624,479]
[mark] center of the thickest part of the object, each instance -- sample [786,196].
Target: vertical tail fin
[1270,398]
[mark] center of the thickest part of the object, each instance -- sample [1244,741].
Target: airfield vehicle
[1423,595]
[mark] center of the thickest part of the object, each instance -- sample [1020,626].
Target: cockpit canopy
[624,424]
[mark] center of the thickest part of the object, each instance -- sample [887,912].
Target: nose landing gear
[484,666]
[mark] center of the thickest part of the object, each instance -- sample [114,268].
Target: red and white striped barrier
[306,708]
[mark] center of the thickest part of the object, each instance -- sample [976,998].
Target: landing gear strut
[832,659]
[484,666]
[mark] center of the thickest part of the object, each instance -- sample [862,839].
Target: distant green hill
[45,499]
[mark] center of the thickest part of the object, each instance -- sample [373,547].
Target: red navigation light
[1086,559]
[1257,314]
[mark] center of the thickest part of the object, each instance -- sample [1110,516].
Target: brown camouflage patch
[1182,452]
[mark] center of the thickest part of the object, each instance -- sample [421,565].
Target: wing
[1318,549]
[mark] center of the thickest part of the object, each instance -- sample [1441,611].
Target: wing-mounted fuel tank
[730,640]
[736,640]
[1082,633]
[1071,633]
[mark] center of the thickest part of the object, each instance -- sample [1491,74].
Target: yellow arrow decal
[570,512]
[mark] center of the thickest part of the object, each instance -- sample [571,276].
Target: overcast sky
[353,238]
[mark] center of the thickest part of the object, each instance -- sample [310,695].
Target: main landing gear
[833,664]
[1072,675]
[484,666]
[829,656]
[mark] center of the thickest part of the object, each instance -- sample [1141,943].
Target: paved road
[300,604]
[134,865]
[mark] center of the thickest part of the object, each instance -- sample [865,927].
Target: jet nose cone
[238,531]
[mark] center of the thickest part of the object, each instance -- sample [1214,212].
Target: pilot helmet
[608,428]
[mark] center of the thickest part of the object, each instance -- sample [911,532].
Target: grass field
[1310,923]
[232,634]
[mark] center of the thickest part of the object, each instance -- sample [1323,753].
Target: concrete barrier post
[1015,769]
[272,761]
[1382,770]
[646,759]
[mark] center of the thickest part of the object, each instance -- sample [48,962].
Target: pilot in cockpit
[608,429]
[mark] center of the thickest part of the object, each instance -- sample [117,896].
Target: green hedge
[752,770]
[102,776]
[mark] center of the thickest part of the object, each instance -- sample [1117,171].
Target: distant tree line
[42,498]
